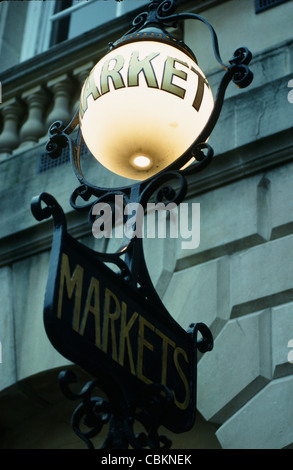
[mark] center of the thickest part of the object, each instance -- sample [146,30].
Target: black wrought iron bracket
[160,14]
[117,413]
[114,418]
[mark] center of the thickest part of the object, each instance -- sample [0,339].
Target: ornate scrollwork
[241,74]
[114,417]
[138,22]
[149,410]
[94,413]
[52,208]
[57,140]
[203,154]
[83,192]
[205,343]
[166,8]
[58,136]
[162,192]
[156,9]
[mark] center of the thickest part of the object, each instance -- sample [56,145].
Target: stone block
[265,422]
[160,257]
[232,218]
[262,112]
[237,368]
[281,200]
[200,294]
[251,115]
[262,276]
[34,352]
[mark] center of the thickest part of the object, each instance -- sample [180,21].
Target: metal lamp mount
[120,412]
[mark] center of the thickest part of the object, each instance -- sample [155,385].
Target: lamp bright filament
[141,161]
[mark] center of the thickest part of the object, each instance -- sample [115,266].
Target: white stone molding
[34,127]
[62,89]
[12,112]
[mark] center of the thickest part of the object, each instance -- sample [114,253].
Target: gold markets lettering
[111,73]
[115,333]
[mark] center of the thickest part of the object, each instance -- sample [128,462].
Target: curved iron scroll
[115,416]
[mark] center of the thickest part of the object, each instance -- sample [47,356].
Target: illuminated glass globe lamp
[144,103]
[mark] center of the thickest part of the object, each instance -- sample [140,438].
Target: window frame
[40,20]
[37,30]
[259,8]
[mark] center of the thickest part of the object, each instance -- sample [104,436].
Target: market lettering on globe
[111,322]
[135,68]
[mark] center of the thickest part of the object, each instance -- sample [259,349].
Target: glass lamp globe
[142,106]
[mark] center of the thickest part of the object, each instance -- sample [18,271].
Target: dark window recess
[60,27]
[262,5]
[46,163]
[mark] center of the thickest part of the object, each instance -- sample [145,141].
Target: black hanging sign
[94,318]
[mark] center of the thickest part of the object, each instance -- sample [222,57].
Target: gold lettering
[185,403]
[124,337]
[73,282]
[142,342]
[144,66]
[93,293]
[110,317]
[90,88]
[113,74]
[111,71]
[169,72]
[200,89]
[166,342]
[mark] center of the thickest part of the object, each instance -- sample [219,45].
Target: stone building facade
[239,281]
